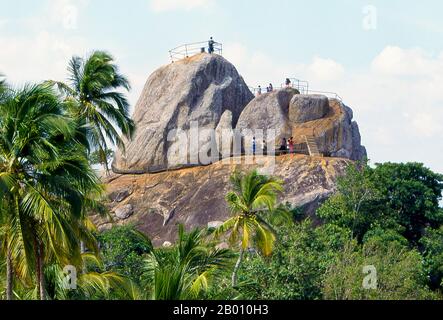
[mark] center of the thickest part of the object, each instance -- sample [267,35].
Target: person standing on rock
[211,46]
[263,147]
[259,90]
[291,145]
[283,146]
[271,87]
[288,82]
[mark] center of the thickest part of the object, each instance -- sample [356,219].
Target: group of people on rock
[270,88]
[262,146]
[287,145]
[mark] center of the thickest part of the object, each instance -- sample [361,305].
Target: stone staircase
[312,146]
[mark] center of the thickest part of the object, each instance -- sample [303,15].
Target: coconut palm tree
[89,284]
[95,102]
[252,202]
[184,271]
[45,180]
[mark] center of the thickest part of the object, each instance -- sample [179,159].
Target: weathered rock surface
[196,196]
[269,111]
[304,108]
[224,141]
[336,134]
[196,89]
[124,212]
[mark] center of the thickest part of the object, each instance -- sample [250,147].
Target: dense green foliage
[400,273]
[398,197]
[295,270]
[365,224]
[432,246]
[186,270]
[47,185]
[123,250]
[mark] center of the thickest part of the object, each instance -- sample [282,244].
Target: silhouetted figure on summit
[211,46]
[288,82]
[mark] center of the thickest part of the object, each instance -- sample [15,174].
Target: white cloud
[325,70]
[396,61]
[49,58]
[43,51]
[427,125]
[398,102]
[171,5]
[3,22]
[258,67]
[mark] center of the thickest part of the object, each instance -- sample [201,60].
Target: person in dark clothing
[211,46]
[271,87]
[288,82]
[283,146]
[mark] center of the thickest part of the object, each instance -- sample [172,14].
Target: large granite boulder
[304,108]
[199,89]
[268,111]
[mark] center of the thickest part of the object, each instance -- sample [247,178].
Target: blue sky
[391,73]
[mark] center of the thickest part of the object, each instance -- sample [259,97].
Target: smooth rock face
[304,108]
[196,89]
[197,195]
[124,212]
[224,141]
[269,111]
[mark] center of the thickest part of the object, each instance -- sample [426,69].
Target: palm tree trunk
[83,251]
[236,268]
[9,275]
[40,274]
[82,247]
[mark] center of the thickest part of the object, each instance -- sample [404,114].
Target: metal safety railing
[301,85]
[190,49]
[329,94]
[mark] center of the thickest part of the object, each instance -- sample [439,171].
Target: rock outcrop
[195,197]
[336,134]
[207,90]
[198,89]
[290,114]
[269,111]
[304,108]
